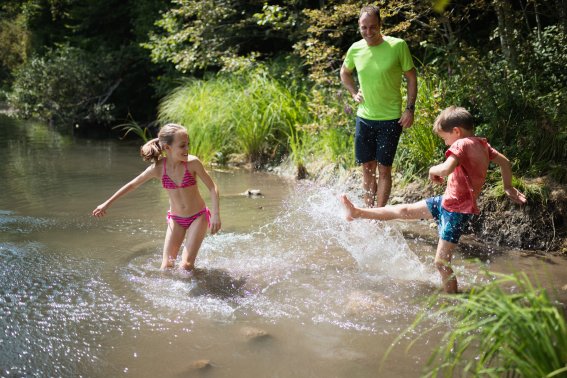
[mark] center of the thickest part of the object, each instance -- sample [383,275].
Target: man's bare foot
[349,208]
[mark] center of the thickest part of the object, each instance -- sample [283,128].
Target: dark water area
[286,289]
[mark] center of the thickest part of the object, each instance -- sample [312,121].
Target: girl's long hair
[153,149]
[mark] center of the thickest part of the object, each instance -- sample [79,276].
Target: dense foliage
[501,59]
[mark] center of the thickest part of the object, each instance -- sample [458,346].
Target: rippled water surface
[287,289]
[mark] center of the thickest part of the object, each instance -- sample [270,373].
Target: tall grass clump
[508,327]
[419,147]
[204,108]
[252,114]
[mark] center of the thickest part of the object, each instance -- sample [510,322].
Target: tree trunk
[505,28]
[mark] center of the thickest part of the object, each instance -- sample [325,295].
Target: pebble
[253,333]
[200,364]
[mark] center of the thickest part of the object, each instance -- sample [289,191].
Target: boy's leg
[443,263]
[173,239]
[195,235]
[418,210]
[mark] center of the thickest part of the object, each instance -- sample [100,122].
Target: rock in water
[200,365]
[253,333]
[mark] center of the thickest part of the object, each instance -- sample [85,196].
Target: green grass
[249,115]
[509,327]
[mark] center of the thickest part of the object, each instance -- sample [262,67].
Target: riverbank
[539,226]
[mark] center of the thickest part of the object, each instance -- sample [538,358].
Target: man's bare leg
[384,185]
[369,184]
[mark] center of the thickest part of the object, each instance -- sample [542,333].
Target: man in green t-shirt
[380,62]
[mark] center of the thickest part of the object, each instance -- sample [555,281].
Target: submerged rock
[200,365]
[253,193]
[253,333]
[367,303]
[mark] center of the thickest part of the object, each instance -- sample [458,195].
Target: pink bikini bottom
[186,222]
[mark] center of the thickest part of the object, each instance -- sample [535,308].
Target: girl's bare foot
[348,207]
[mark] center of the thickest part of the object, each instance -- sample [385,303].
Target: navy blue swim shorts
[376,140]
[451,225]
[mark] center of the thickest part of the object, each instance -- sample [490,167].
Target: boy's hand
[516,196]
[436,179]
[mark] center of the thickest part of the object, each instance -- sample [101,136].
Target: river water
[286,289]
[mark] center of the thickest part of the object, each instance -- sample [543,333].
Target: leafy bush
[65,86]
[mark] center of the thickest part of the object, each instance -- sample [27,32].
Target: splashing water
[308,264]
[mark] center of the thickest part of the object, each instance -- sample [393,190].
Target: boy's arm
[506,171]
[437,172]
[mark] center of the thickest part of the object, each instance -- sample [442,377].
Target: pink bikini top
[168,183]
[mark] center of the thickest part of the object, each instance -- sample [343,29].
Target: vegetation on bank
[508,327]
[262,79]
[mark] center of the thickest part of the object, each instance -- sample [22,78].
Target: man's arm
[348,81]
[407,116]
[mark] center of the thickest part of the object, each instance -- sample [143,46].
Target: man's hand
[358,97]
[406,120]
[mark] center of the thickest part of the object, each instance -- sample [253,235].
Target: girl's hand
[215,223]
[100,211]
[516,196]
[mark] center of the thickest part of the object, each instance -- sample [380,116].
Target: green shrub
[65,86]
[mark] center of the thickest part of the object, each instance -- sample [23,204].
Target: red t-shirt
[466,181]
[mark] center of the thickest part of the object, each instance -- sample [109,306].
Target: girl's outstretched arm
[100,210]
[214,191]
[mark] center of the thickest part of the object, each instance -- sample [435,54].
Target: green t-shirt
[380,70]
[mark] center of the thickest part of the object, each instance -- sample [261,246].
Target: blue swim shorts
[451,225]
[376,140]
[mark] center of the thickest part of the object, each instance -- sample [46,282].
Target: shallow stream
[287,289]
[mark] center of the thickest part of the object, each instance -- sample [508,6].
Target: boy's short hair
[453,116]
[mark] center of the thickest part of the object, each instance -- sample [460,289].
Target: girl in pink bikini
[188,217]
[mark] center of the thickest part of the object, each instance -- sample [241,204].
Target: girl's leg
[443,263]
[416,210]
[195,235]
[173,239]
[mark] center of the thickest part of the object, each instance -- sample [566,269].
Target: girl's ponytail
[151,151]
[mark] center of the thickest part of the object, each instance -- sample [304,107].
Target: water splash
[308,264]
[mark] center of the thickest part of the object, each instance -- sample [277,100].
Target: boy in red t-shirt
[466,164]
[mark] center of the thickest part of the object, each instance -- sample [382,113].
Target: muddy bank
[540,225]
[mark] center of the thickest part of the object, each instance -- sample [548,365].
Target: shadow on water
[217,283]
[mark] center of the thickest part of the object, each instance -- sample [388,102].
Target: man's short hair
[372,10]
[453,116]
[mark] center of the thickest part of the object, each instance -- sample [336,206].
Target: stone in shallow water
[253,333]
[200,365]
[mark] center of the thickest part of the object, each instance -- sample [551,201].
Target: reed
[224,114]
[419,147]
[509,327]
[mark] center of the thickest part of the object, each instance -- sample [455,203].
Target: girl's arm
[437,172]
[214,191]
[506,172]
[131,186]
